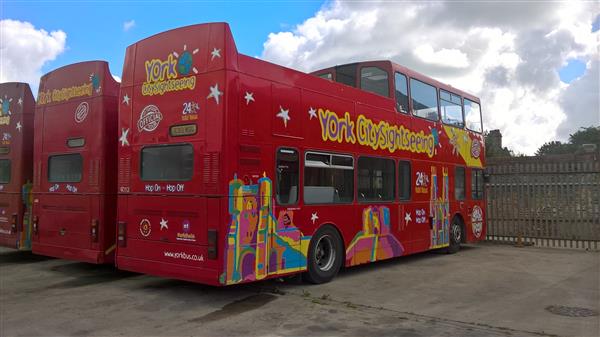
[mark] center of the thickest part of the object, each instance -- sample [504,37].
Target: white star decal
[249,97]
[215,93]
[314,217]
[215,53]
[123,138]
[407,218]
[20,101]
[312,113]
[284,115]
[19,126]
[126,99]
[164,224]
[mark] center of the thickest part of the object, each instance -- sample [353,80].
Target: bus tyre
[456,234]
[324,256]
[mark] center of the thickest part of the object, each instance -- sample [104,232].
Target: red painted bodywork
[238,138]
[76,101]
[16,135]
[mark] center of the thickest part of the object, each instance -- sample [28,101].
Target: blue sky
[95,29]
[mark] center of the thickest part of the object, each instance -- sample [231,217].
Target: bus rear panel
[16,154]
[75,163]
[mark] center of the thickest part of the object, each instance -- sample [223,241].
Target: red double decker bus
[16,155]
[233,169]
[75,163]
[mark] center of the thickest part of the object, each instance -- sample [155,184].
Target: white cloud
[127,25]
[508,54]
[117,78]
[25,49]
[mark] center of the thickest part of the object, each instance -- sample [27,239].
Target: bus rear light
[121,233]
[13,223]
[212,244]
[94,230]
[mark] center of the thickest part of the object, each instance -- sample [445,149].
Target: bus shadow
[402,260]
[84,274]
[21,257]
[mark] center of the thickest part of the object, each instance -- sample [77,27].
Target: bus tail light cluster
[94,230]
[35,224]
[13,223]
[121,233]
[212,244]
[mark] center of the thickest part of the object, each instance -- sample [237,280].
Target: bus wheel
[324,256]
[456,234]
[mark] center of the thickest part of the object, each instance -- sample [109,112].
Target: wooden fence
[548,201]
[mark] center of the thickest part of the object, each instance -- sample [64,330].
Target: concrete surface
[484,290]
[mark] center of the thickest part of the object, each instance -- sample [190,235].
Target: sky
[534,64]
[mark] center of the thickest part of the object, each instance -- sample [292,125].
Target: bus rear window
[167,162]
[4,171]
[65,168]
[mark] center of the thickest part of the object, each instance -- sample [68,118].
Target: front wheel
[324,256]
[456,234]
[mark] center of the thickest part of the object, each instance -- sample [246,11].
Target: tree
[554,147]
[589,135]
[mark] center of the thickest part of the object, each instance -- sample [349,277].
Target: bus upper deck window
[451,109]
[346,74]
[473,116]
[424,100]
[326,76]
[401,93]
[375,80]
[287,176]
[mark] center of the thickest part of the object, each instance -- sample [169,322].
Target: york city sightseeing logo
[164,75]
[150,117]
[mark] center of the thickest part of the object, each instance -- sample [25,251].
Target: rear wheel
[324,256]
[456,234]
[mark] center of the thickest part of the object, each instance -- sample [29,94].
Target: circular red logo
[81,112]
[150,117]
[145,227]
[475,148]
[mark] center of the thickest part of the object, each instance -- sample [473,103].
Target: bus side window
[375,80]
[451,108]
[376,179]
[328,178]
[346,74]
[326,76]
[287,176]
[459,183]
[404,185]
[424,100]
[473,116]
[401,93]
[477,184]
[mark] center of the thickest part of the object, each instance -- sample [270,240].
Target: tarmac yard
[484,290]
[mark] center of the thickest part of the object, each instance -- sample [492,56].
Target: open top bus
[75,163]
[233,169]
[16,155]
